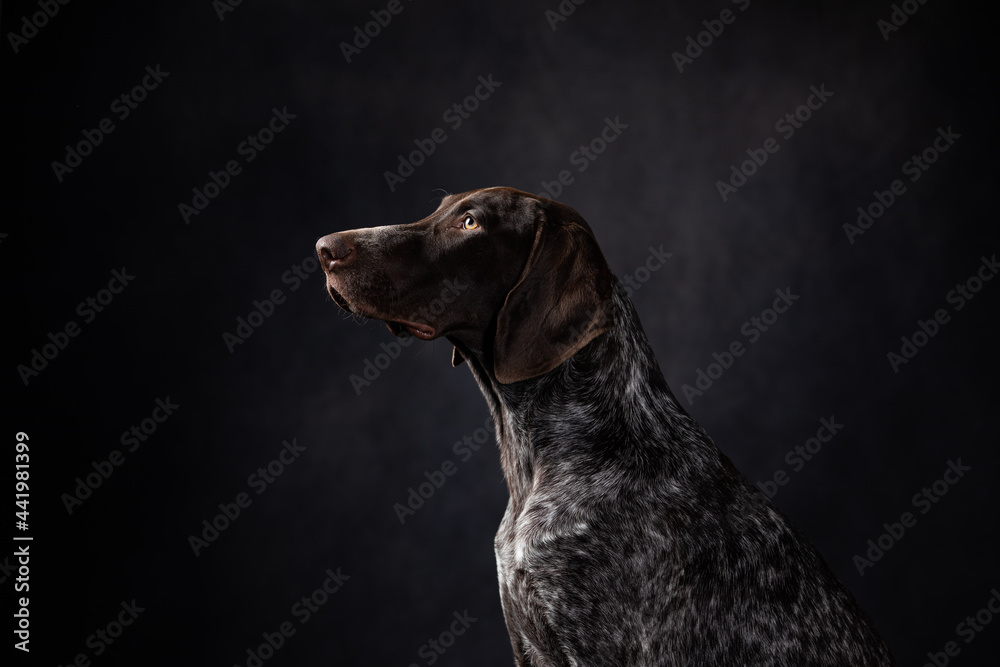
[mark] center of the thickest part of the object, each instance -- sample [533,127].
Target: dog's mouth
[421,331]
[397,327]
[339,299]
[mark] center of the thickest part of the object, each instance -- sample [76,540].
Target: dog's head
[518,273]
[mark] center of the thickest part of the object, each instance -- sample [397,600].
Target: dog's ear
[456,357]
[561,302]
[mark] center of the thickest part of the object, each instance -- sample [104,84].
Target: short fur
[629,538]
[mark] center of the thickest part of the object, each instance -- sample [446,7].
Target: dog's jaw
[396,327]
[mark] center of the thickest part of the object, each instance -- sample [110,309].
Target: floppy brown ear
[560,303]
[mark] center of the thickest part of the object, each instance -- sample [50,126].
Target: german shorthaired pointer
[629,538]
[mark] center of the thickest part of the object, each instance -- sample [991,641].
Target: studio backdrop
[209,463]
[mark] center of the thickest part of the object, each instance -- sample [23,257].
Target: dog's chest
[531,557]
[510,548]
[519,582]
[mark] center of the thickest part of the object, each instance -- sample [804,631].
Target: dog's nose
[333,250]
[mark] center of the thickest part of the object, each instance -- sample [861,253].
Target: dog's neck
[607,406]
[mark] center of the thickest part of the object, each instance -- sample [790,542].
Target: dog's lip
[421,331]
[339,298]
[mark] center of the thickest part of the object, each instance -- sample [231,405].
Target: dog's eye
[470,223]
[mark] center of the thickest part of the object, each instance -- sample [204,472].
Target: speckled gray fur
[630,539]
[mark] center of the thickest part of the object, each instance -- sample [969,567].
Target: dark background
[655,185]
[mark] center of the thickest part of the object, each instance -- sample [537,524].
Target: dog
[629,538]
